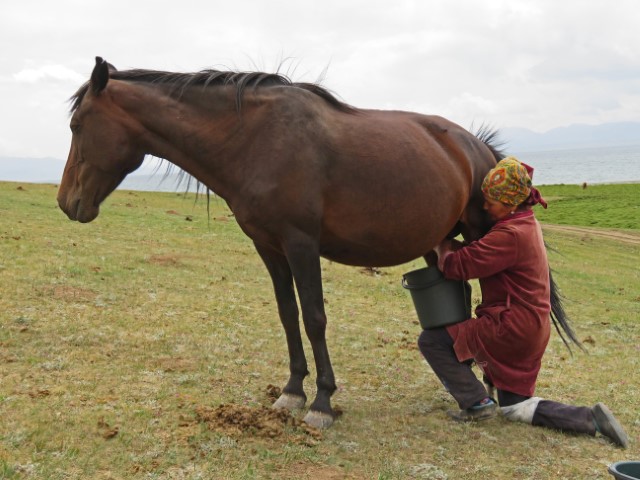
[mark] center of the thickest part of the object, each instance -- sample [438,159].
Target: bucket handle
[419,287]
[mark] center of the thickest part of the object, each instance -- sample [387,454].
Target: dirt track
[626,237]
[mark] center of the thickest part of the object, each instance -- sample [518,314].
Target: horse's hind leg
[474,222]
[293,395]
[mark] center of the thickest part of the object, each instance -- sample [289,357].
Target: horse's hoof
[290,402]
[318,420]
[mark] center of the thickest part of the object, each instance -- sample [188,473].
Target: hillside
[574,136]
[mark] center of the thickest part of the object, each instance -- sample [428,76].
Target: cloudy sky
[537,64]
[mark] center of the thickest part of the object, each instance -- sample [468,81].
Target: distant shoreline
[565,166]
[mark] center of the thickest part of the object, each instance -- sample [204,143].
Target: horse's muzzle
[78,211]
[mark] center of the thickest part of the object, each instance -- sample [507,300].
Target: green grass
[606,206]
[137,320]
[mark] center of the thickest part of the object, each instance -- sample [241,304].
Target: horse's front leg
[293,395]
[304,260]
[431,258]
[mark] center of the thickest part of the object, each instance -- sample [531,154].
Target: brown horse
[305,175]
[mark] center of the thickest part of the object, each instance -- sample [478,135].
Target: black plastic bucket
[625,470]
[438,301]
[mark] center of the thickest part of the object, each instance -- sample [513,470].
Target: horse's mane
[491,138]
[179,82]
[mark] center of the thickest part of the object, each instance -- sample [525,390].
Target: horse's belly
[367,259]
[392,247]
[384,230]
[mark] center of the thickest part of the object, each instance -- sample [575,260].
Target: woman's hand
[447,246]
[443,248]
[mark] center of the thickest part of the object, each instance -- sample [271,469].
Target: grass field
[605,206]
[120,338]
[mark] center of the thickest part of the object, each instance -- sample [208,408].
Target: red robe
[511,330]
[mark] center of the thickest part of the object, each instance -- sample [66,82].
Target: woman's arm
[494,252]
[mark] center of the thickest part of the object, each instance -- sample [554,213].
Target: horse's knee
[316,327]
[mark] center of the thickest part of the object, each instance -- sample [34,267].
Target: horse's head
[103,148]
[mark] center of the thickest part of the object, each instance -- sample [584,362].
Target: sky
[535,64]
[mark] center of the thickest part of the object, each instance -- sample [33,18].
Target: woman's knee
[436,338]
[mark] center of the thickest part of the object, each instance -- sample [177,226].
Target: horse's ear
[99,76]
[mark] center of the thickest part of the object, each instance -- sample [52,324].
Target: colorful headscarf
[510,183]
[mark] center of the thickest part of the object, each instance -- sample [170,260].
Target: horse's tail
[559,317]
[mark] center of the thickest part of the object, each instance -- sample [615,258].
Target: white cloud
[56,72]
[470,104]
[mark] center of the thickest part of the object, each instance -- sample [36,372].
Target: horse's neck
[192,133]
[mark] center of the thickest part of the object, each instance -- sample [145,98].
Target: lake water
[552,167]
[591,165]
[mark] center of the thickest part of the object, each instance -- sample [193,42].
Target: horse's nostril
[73,211]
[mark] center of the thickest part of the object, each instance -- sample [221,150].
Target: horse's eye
[75,128]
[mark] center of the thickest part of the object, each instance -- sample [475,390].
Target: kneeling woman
[509,335]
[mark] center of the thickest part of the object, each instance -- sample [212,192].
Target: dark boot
[483,410]
[608,426]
